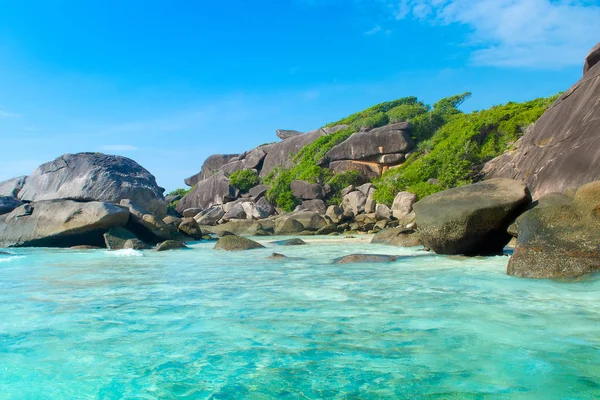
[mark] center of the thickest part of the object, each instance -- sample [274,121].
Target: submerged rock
[236,243]
[115,238]
[170,245]
[401,237]
[365,258]
[290,242]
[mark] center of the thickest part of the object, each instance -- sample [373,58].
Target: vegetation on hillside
[244,179]
[454,154]
[425,119]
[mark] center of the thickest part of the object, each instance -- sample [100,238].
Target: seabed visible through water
[203,323]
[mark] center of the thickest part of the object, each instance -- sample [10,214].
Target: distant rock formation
[12,187]
[562,149]
[94,177]
[210,166]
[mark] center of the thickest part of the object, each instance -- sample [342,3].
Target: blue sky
[169,83]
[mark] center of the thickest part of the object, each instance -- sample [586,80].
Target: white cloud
[118,147]
[6,114]
[516,33]
[373,31]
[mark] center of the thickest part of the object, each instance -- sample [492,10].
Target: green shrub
[244,179]
[458,148]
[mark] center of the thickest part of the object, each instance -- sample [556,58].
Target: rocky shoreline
[95,200]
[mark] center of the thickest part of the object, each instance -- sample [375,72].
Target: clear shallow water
[208,324]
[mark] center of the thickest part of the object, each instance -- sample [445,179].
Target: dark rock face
[400,237]
[212,191]
[389,139]
[144,225]
[170,245]
[558,239]
[365,258]
[287,225]
[473,219]
[210,165]
[189,227]
[7,204]
[284,134]
[210,216]
[592,58]
[366,170]
[12,187]
[95,177]
[258,191]
[236,243]
[311,221]
[280,154]
[304,190]
[115,238]
[60,223]
[317,206]
[562,149]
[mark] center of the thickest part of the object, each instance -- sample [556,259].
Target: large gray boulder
[211,165]
[472,219]
[311,220]
[403,204]
[8,203]
[304,190]
[95,177]
[367,171]
[60,223]
[215,190]
[562,149]
[559,238]
[12,187]
[117,238]
[355,202]
[210,216]
[281,154]
[389,139]
[317,206]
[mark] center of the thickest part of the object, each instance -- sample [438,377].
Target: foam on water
[203,323]
[125,253]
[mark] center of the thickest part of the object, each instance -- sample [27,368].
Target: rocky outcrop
[560,237]
[591,59]
[12,187]
[472,219]
[145,225]
[367,170]
[281,154]
[189,227]
[60,223]
[7,204]
[236,243]
[562,149]
[211,165]
[215,190]
[372,145]
[94,177]
[284,134]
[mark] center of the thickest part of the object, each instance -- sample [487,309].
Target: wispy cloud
[119,147]
[373,31]
[515,33]
[7,114]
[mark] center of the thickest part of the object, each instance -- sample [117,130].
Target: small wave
[125,253]
[9,259]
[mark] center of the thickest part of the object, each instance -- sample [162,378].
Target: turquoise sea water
[203,323]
